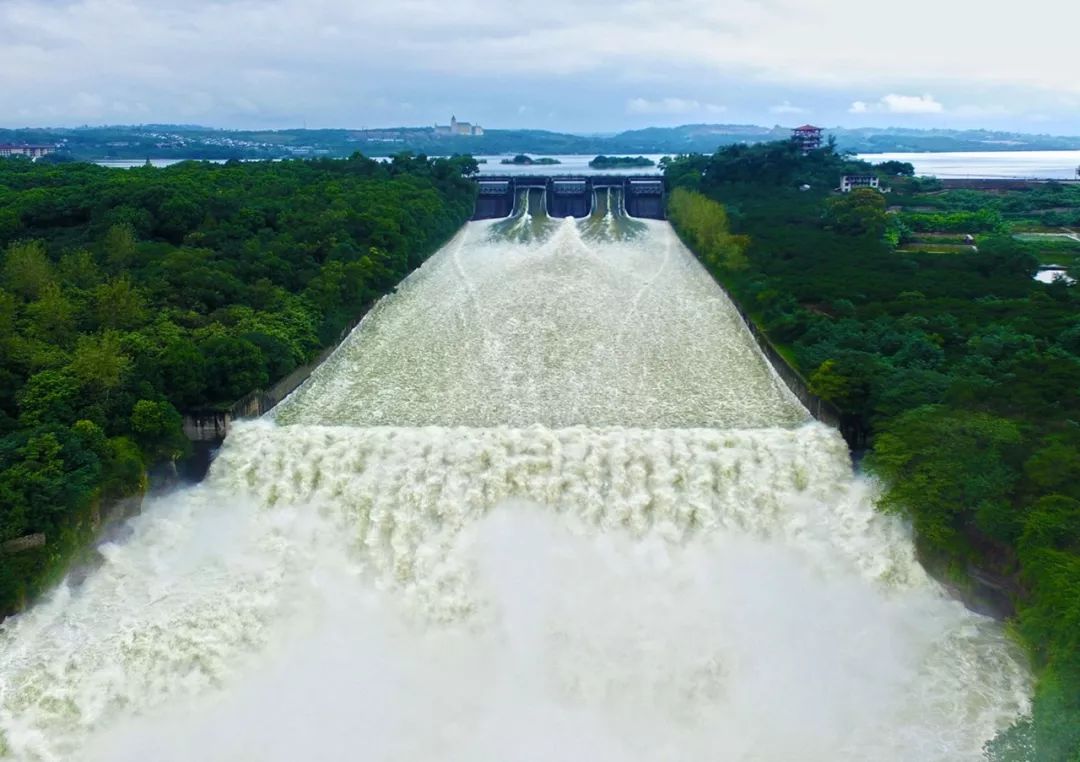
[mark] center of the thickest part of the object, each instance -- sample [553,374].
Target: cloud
[899,104]
[671,106]
[787,108]
[283,62]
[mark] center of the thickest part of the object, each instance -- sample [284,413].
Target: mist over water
[547,502]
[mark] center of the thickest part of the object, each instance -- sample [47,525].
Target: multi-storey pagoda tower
[808,137]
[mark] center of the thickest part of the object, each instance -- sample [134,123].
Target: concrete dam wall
[570,196]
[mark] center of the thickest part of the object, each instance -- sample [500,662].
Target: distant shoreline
[136,142]
[1033,166]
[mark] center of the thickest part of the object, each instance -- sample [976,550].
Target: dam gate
[569,196]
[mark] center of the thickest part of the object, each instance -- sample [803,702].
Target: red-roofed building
[808,137]
[34,152]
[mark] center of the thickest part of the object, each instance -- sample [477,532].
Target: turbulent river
[547,502]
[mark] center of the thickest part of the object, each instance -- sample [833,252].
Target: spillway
[548,501]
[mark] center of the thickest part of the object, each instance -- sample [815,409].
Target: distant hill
[875,139]
[697,138]
[162,141]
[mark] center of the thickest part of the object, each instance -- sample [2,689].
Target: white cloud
[911,104]
[787,108]
[324,60]
[671,106]
[899,104]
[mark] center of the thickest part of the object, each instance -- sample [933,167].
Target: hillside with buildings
[140,142]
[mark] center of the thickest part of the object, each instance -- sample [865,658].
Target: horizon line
[582,134]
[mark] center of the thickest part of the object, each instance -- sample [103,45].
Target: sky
[569,65]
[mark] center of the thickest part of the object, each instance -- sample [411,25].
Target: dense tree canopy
[127,297]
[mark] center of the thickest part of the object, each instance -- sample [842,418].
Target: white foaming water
[556,331]
[424,590]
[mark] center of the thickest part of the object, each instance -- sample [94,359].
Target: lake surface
[132,163]
[1058,165]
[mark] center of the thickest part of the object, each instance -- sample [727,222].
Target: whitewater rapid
[547,502]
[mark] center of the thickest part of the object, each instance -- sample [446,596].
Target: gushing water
[561,331]
[547,502]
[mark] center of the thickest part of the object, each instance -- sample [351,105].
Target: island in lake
[615,162]
[528,161]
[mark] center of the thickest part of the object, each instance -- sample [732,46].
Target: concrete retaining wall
[823,410]
[19,544]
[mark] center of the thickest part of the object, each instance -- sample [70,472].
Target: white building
[457,128]
[849,183]
[33,152]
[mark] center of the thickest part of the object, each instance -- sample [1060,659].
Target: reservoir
[1059,165]
[548,501]
[1042,165]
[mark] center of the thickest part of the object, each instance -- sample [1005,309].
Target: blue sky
[572,65]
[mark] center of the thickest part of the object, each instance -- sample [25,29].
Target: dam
[547,501]
[641,196]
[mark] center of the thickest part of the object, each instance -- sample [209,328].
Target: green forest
[620,162]
[959,373]
[127,297]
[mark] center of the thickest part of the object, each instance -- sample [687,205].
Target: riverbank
[980,590]
[963,369]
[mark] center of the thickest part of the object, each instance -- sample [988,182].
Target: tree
[1003,256]
[158,428]
[120,246]
[48,396]
[704,223]
[860,212]
[51,316]
[894,168]
[234,367]
[845,382]
[99,361]
[118,304]
[1056,466]
[945,468]
[125,470]
[79,269]
[183,373]
[27,270]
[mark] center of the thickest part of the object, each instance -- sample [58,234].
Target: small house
[848,183]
